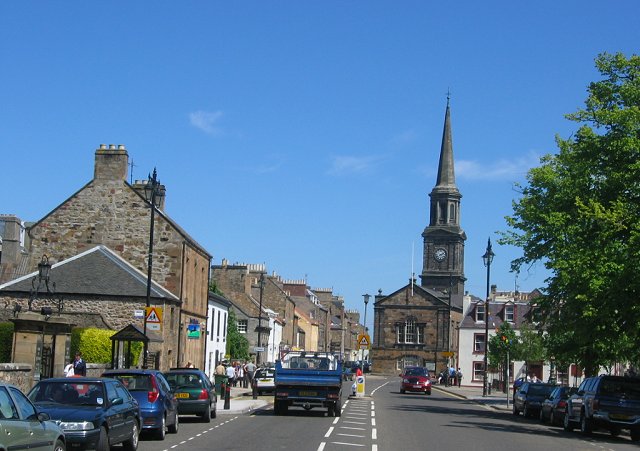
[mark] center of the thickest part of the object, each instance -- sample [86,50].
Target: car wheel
[59,446]
[615,431]
[132,443]
[552,417]
[206,415]
[585,424]
[337,409]
[160,432]
[103,440]
[566,422]
[541,417]
[402,391]
[515,410]
[526,412]
[173,428]
[214,412]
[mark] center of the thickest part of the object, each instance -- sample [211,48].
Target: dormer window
[509,313]
[480,313]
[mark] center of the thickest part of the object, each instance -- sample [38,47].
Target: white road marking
[321,447]
[374,434]
[347,444]
[328,432]
[351,435]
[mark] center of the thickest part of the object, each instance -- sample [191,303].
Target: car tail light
[152,396]
[204,394]
[562,403]
[596,404]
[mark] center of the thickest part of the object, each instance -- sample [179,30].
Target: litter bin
[219,380]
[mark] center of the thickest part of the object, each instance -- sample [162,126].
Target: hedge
[6,341]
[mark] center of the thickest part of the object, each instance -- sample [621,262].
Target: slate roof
[97,272]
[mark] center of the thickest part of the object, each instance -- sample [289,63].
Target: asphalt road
[384,420]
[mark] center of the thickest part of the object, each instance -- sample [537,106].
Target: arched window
[410,332]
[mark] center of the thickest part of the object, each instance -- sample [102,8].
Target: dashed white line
[329,432]
[374,434]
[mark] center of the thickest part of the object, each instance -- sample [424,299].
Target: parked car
[529,397]
[194,391]
[22,426]
[555,405]
[158,404]
[94,413]
[264,379]
[415,379]
[605,402]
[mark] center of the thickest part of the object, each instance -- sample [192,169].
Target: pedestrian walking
[459,376]
[249,371]
[220,369]
[68,370]
[239,375]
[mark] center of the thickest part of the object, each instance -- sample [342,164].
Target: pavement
[241,400]
[496,400]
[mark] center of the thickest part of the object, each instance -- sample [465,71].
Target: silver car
[22,427]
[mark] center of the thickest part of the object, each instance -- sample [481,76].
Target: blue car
[158,404]
[94,413]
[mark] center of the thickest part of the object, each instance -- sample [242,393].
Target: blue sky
[303,135]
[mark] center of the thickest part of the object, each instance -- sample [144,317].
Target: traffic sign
[154,315]
[364,341]
[448,354]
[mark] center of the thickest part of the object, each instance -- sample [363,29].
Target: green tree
[530,345]
[578,215]
[237,344]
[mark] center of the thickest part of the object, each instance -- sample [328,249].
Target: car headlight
[76,426]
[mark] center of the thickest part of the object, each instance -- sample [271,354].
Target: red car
[415,379]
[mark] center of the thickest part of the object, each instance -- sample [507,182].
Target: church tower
[443,253]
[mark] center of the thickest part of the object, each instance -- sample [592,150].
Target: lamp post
[259,353]
[366,301]
[48,294]
[487,258]
[153,192]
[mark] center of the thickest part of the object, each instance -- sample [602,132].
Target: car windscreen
[134,382]
[183,380]
[85,393]
[629,389]
[416,372]
[264,373]
[540,390]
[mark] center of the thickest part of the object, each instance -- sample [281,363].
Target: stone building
[111,212]
[416,324]
[96,288]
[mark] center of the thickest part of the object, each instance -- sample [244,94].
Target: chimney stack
[111,162]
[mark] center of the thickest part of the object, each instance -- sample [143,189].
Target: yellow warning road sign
[364,341]
[154,314]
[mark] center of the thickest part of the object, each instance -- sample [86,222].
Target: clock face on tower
[440,254]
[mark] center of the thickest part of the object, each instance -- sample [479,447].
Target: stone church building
[417,324]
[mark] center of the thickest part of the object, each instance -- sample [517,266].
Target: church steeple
[446,175]
[443,255]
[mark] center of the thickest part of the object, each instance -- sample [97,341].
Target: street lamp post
[259,353]
[366,301]
[153,192]
[487,258]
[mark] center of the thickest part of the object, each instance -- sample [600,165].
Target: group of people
[450,376]
[76,368]
[240,374]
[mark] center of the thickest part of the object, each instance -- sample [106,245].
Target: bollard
[254,389]
[227,398]
[223,390]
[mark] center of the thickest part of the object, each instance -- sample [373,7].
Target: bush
[6,341]
[95,345]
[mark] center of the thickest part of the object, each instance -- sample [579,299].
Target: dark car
[605,402]
[555,405]
[415,379]
[23,427]
[196,395]
[158,404]
[94,413]
[529,397]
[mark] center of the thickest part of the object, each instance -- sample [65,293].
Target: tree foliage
[578,214]
[237,344]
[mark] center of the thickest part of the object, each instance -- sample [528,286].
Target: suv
[605,402]
[529,397]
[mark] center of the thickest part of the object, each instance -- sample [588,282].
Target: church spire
[446,176]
